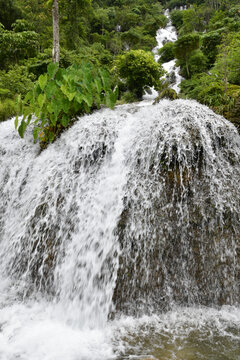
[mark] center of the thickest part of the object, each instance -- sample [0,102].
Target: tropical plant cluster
[59,96]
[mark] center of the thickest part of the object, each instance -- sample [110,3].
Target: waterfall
[126,228]
[169,34]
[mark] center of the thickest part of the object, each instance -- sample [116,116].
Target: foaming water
[168,34]
[132,215]
[181,334]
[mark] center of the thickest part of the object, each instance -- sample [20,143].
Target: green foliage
[153,24]
[85,26]
[131,38]
[177,18]
[99,31]
[16,81]
[210,41]
[217,20]
[166,52]
[184,46]
[139,70]
[207,89]
[128,97]
[8,108]
[233,112]
[127,25]
[197,62]
[190,21]
[166,93]
[60,95]
[95,54]
[37,13]
[21,25]
[17,45]
[227,62]
[9,12]
[73,21]
[234,91]
[176,3]
[147,43]
[127,19]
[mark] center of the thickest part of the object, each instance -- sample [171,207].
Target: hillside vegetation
[111,34]
[208,52]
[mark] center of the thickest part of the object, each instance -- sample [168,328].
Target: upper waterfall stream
[164,35]
[168,34]
[121,239]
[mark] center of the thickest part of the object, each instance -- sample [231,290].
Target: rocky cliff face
[179,231]
[136,208]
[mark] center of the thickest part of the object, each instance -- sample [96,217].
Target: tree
[177,18]
[9,12]
[15,46]
[183,48]
[56,45]
[227,65]
[166,52]
[73,21]
[38,15]
[197,62]
[210,42]
[139,70]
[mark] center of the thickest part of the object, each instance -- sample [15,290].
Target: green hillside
[102,32]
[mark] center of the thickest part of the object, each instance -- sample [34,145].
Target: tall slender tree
[56,45]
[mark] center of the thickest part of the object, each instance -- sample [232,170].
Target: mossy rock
[167,93]
[233,114]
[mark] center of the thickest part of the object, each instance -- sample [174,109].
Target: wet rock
[179,242]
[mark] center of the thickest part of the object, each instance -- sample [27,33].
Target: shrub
[17,45]
[16,81]
[207,89]
[139,70]
[176,18]
[60,95]
[166,52]
[184,46]
[166,93]
[8,109]
[147,42]
[210,41]
[197,62]
[153,24]
[130,38]
[128,97]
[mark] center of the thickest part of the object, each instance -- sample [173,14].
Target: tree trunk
[56,46]
[187,68]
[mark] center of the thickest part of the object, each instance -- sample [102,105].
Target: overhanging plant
[59,96]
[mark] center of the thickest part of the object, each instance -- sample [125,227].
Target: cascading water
[121,239]
[168,34]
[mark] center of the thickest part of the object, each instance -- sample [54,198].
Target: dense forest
[117,36]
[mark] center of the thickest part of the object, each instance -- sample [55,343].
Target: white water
[169,34]
[59,247]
